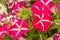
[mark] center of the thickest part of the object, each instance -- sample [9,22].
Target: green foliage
[32,1]
[56,1]
[7,37]
[57,20]
[33,34]
[3,2]
[24,13]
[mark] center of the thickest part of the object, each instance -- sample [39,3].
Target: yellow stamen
[19,28]
[0,7]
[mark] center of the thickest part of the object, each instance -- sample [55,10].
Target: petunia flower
[42,22]
[57,5]
[46,10]
[48,3]
[10,3]
[15,8]
[38,7]
[16,5]
[11,20]
[3,30]
[57,36]
[19,28]
[1,16]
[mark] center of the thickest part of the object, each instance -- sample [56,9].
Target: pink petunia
[3,30]
[46,10]
[57,36]
[16,6]
[38,7]
[48,3]
[19,28]
[57,5]
[42,22]
[1,16]
[11,20]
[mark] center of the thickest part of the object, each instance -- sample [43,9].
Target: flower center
[0,8]
[19,28]
[40,19]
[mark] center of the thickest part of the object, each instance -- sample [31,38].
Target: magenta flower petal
[57,36]
[42,23]
[43,26]
[3,30]
[47,10]
[48,3]
[21,5]
[19,28]
[15,7]
[1,16]
[37,7]
[57,5]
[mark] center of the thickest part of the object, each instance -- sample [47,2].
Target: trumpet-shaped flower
[19,28]
[42,22]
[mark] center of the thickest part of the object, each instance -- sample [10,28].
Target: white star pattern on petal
[37,15]
[41,19]
[2,32]
[19,28]
[46,2]
[37,7]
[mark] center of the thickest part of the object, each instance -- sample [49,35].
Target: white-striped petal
[37,15]
[42,16]
[37,22]
[4,32]
[48,2]
[17,25]
[43,8]
[25,29]
[17,33]
[42,1]
[14,29]
[9,17]
[3,19]
[45,20]
[15,21]
[42,25]
[0,33]
[37,7]
[21,23]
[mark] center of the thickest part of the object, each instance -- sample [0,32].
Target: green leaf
[24,13]
[55,1]
[3,2]
[59,28]
[57,20]
[28,38]
[7,37]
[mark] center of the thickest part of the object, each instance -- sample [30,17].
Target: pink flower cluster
[42,14]
[57,36]
[16,27]
[13,25]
